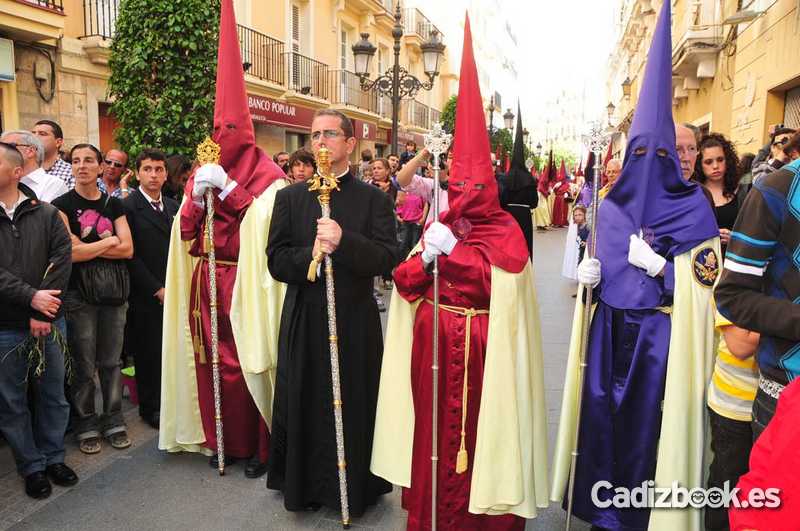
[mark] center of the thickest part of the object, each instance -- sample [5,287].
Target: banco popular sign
[270,111]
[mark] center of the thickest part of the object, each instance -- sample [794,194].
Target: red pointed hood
[562,172]
[245,162]
[475,214]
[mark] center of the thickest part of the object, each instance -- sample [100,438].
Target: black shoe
[62,475]
[153,420]
[255,468]
[214,461]
[37,486]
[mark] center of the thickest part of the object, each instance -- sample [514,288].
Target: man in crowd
[52,137]
[361,240]
[651,336]
[366,160]
[46,187]
[686,146]
[613,169]
[394,163]
[760,283]
[149,215]
[115,177]
[772,156]
[301,166]
[281,158]
[410,182]
[32,279]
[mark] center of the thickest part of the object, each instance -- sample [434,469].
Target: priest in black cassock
[361,239]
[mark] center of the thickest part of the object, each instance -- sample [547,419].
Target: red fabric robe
[465,281]
[244,429]
[561,207]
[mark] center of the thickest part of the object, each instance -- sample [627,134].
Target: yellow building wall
[711,103]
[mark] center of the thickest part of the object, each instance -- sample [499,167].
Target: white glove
[440,237]
[428,253]
[642,256]
[589,272]
[208,176]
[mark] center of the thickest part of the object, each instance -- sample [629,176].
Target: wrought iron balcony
[306,76]
[415,23]
[100,18]
[262,56]
[55,5]
[344,87]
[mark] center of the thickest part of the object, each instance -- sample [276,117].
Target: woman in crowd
[96,301]
[178,170]
[717,168]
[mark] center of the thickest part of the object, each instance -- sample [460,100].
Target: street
[143,488]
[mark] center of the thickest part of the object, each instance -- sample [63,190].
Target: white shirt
[46,187]
[151,200]
[11,209]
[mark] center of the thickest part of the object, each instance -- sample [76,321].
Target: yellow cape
[509,474]
[682,450]
[541,214]
[255,319]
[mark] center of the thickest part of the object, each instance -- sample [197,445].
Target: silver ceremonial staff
[208,152]
[436,143]
[325,182]
[596,141]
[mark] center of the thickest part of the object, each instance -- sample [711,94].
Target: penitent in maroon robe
[465,282]
[560,206]
[245,431]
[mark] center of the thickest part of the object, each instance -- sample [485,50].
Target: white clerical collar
[345,172]
[36,176]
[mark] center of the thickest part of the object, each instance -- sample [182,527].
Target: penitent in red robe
[245,431]
[465,282]
[560,206]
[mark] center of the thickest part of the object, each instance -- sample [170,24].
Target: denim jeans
[39,442]
[408,234]
[763,411]
[95,335]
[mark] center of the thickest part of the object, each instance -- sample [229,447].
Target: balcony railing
[388,5]
[436,116]
[415,23]
[415,113]
[262,56]
[100,18]
[306,76]
[344,88]
[55,5]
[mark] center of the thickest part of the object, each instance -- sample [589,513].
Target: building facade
[297,55]
[735,66]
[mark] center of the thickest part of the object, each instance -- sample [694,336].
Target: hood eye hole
[479,186]
[230,126]
[640,151]
[661,152]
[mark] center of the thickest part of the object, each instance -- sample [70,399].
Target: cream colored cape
[541,214]
[683,451]
[255,319]
[509,473]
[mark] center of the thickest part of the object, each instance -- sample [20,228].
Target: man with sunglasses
[114,180]
[361,240]
[771,157]
[46,187]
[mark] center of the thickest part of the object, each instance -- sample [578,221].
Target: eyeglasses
[114,163]
[782,142]
[16,145]
[327,133]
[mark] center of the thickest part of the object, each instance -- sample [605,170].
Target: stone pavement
[142,488]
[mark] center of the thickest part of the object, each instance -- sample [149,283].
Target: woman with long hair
[717,169]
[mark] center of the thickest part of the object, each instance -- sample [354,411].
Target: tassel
[198,347]
[462,460]
[312,271]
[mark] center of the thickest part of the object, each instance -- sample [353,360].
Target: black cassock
[303,462]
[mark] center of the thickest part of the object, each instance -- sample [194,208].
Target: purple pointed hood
[650,197]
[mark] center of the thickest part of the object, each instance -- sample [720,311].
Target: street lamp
[538,150]
[508,119]
[610,110]
[397,82]
[525,135]
[491,110]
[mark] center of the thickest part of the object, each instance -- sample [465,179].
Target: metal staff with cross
[436,142]
[596,141]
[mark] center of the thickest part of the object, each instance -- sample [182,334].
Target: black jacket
[150,231]
[35,253]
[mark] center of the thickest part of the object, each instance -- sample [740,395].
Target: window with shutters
[791,113]
[296,70]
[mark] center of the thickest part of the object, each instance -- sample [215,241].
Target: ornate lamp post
[508,119]
[491,110]
[610,108]
[397,82]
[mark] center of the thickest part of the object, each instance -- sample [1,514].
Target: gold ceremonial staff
[208,152]
[325,182]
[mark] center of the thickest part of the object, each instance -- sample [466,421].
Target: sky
[563,45]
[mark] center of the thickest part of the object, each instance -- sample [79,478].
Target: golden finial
[324,181]
[208,152]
